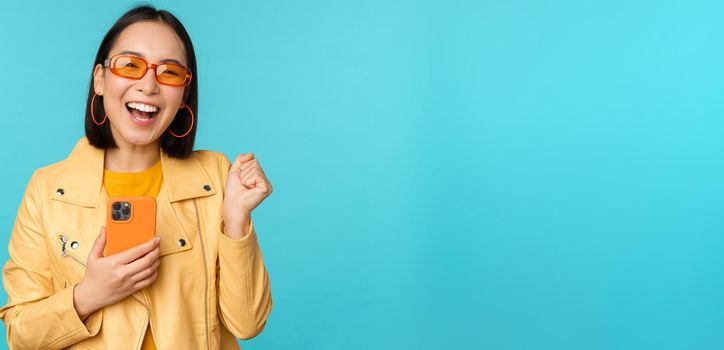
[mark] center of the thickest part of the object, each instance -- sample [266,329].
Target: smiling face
[141,110]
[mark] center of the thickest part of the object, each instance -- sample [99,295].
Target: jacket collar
[80,181]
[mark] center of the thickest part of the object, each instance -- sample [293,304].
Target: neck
[132,158]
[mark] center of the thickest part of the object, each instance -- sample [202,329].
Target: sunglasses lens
[172,74]
[129,66]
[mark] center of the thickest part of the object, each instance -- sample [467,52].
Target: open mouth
[142,112]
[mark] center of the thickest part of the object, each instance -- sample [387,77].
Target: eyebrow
[124,52]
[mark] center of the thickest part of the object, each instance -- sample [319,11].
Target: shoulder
[83,152]
[212,160]
[45,177]
[215,164]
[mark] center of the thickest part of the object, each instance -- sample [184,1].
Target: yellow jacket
[210,288]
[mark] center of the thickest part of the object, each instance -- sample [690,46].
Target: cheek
[115,85]
[172,95]
[113,91]
[171,98]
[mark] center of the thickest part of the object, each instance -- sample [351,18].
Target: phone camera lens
[116,216]
[116,206]
[126,211]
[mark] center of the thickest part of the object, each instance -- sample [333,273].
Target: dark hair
[101,136]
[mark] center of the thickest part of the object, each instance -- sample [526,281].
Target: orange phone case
[129,230]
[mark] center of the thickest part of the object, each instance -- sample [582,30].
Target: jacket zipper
[206,277]
[64,251]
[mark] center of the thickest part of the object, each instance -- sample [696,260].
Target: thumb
[99,244]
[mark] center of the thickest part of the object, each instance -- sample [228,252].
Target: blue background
[447,174]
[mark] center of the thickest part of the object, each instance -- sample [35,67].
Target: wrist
[82,301]
[236,227]
[234,209]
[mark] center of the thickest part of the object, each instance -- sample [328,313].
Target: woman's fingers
[241,160]
[146,282]
[251,167]
[136,252]
[254,179]
[143,263]
[249,170]
[145,273]
[247,166]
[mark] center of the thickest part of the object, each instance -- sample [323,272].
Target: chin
[140,138]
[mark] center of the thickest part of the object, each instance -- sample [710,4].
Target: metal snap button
[207,188]
[60,192]
[181,242]
[74,244]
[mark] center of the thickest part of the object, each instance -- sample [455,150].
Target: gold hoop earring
[192,123]
[93,116]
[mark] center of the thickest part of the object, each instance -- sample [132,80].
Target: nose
[148,84]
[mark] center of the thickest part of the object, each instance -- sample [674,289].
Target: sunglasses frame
[108,61]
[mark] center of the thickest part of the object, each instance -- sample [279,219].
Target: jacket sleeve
[244,292]
[35,316]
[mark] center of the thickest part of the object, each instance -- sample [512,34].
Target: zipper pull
[64,241]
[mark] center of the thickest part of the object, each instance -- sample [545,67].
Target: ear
[98,81]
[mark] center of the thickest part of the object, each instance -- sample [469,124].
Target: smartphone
[130,222]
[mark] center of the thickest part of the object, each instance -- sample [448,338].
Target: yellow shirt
[143,183]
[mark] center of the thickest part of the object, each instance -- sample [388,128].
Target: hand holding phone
[124,258]
[108,280]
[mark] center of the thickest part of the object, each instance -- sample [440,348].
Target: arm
[35,317]
[244,292]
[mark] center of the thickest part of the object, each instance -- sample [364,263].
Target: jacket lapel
[177,218]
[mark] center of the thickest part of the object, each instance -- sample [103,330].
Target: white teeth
[142,107]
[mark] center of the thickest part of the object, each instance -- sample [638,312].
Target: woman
[201,282]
